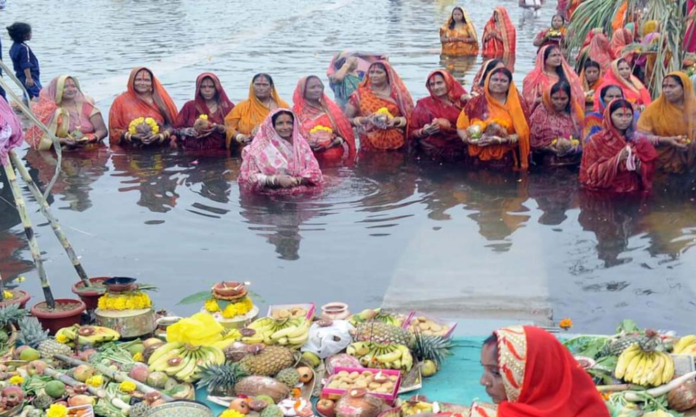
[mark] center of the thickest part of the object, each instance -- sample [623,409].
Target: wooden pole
[33,244]
[46,211]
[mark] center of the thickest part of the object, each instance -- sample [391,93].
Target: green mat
[457,382]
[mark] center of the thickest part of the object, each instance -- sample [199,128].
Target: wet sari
[129,106]
[547,125]
[61,121]
[507,44]
[193,109]
[601,168]
[398,102]
[663,118]
[536,387]
[269,154]
[327,115]
[250,113]
[633,90]
[690,34]
[459,48]
[557,37]
[538,81]
[446,144]
[513,113]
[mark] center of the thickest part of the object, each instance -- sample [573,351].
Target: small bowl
[120,284]
[229,288]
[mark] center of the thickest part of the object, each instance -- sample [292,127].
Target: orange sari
[458,48]
[503,27]
[633,90]
[249,114]
[663,118]
[129,106]
[513,113]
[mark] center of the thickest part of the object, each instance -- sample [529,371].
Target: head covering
[467,20]
[649,27]
[541,377]
[224,103]
[633,89]
[481,72]
[304,110]
[11,133]
[577,112]
[164,103]
[600,51]
[586,84]
[399,92]
[602,104]
[505,28]
[537,79]
[454,90]
[619,41]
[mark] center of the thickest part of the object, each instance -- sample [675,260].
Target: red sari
[547,124]
[541,378]
[505,29]
[128,106]
[328,115]
[196,107]
[601,170]
[538,81]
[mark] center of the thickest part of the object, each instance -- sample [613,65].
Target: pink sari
[690,35]
[537,81]
[11,133]
[269,154]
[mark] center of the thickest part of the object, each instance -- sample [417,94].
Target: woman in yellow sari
[458,35]
[670,122]
[245,118]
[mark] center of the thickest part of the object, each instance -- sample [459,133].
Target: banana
[668,371]
[635,377]
[654,371]
[300,330]
[390,357]
[284,333]
[624,359]
[631,369]
[164,349]
[299,340]
[684,342]
[162,362]
[187,370]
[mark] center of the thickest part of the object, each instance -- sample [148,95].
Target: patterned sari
[11,133]
[601,168]
[328,115]
[129,106]
[538,81]
[61,121]
[663,118]
[499,25]
[633,90]
[536,388]
[399,103]
[459,48]
[269,154]
[446,144]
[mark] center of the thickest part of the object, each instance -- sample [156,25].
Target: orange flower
[565,324]
[296,392]
[606,396]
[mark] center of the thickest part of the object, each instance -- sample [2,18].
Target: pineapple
[33,335]
[434,348]
[382,333]
[11,314]
[220,379]
[268,361]
[272,411]
[647,343]
[289,377]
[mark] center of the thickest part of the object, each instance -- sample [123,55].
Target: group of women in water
[603,119]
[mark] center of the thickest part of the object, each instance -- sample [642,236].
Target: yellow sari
[458,48]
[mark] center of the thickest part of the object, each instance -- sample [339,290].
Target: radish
[662,389]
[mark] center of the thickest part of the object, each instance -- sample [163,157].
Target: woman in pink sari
[690,35]
[279,160]
[619,73]
[550,68]
[69,115]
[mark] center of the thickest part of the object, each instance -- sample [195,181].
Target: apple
[36,367]
[326,407]
[83,372]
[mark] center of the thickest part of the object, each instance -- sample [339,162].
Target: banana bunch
[292,333]
[229,336]
[183,361]
[373,355]
[410,408]
[644,368]
[86,335]
[686,345]
[377,315]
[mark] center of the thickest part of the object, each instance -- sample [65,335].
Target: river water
[490,248]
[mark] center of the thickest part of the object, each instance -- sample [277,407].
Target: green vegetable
[590,346]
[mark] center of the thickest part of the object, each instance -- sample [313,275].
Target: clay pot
[228,288]
[89,297]
[56,320]
[335,311]
[21,298]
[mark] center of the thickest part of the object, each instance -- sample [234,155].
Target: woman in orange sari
[434,120]
[551,67]
[380,109]
[499,35]
[482,74]
[634,91]
[246,117]
[620,39]
[591,79]
[502,108]
[145,97]
[317,114]
[458,36]
[670,122]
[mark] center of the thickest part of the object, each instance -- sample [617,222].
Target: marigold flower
[231,413]
[61,338]
[320,128]
[7,294]
[95,381]
[127,386]
[211,306]
[16,380]
[138,357]
[565,324]
[57,410]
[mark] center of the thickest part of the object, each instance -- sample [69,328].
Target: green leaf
[197,298]
[628,326]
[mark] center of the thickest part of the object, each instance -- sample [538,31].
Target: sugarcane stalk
[115,375]
[46,211]
[29,231]
[2,289]
[97,392]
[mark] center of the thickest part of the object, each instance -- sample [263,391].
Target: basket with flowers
[320,136]
[382,117]
[143,126]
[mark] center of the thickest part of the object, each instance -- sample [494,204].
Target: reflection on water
[178,220]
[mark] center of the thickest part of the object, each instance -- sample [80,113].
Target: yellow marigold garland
[231,310]
[130,301]
[384,111]
[133,126]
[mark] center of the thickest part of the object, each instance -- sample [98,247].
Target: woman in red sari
[633,89]
[550,68]
[317,114]
[279,160]
[502,105]
[520,380]
[434,120]
[615,159]
[380,109]
[557,120]
[145,97]
[212,102]
[555,35]
[620,39]
[499,35]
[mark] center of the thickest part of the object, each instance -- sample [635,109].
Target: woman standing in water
[458,36]
[555,35]
[620,74]
[243,121]
[380,109]
[499,35]
[550,68]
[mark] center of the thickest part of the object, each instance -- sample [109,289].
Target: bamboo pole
[2,289]
[46,211]
[33,244]
[97,392]
[115,375]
